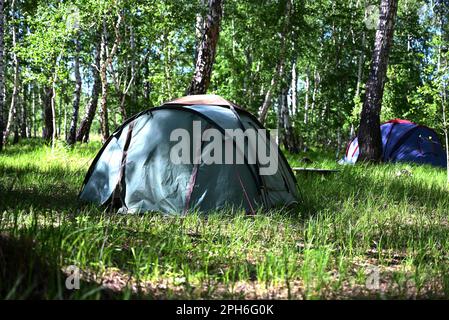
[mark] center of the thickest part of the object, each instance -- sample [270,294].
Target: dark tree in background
[369,133]
[207,49]
[47,131]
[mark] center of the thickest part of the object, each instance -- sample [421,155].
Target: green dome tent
[134,169]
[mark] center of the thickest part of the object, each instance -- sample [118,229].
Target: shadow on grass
[54,188]
[27,273]
[23,147]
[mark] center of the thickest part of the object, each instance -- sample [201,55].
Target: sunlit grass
[389,218]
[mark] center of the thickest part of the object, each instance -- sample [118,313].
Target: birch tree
[2,70]
[207,49]
[370,143]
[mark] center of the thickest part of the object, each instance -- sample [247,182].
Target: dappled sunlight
[393,217]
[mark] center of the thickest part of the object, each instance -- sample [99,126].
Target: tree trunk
[267,100]
[445,125]
[41,103]
[316,84]
[15,139]
[62,110]
[294,89]
[106,60]
[369,137]
[249,76]
[167,68]
[33,123]
[306,98]
[24,114]
[207,49]
[361,62]
[53,109]
[76,94]
[104,121]
[12,116]
[288,138]
[199,28]
[84,128]
[443,92]
[47,132]
[279,71]
[360,65]
[147,85]
[2,98]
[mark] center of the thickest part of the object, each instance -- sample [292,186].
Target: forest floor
[364,232]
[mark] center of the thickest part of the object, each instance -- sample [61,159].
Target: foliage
[326,42]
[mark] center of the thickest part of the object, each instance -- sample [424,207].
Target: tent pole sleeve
[122,166]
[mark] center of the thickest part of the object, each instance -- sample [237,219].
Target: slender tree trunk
[267,99]
[2,70]
[361,62]
[62,110]
[104,121]
[443,93]
[85,125]
[24,113]
[129,69]
[132,45]
[207,49]
[123,112]
[48,129]
[41,103]
[147,86]
[288,137]
[306,99]
[53,109]
[249,76]
[167,68]
[199,28]
[106,60]
[279,72]
[76,94]
[12,116]
[33,123]
[29,111]
[294,89]
[445,127]
[15,139]
[316,84]
[370,143]
[17,123]
[360,65]
[66,126]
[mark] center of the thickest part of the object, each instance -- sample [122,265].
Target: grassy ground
[365,232]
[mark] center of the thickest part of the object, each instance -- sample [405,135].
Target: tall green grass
[392,219]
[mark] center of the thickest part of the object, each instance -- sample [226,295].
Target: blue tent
[405,141]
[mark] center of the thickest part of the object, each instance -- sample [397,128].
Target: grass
[366,223]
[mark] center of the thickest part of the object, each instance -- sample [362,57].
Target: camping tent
[405,141]
[134,170]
